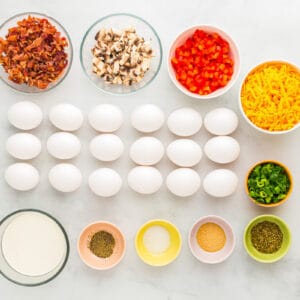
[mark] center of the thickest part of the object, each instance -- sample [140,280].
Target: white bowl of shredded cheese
[270,99]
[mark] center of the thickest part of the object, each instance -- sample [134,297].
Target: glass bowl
[120,22]
[13,275]
[11,22]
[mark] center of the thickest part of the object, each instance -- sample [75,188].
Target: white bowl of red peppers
[203,62]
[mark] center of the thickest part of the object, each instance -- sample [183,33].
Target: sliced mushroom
[121,57]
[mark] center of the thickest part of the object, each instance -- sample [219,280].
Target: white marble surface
[263,30]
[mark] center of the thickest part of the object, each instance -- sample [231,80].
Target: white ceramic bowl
[181,38]
[240,99]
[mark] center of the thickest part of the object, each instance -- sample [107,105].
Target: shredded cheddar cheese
[271,96]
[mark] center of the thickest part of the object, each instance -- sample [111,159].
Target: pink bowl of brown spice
[101,245]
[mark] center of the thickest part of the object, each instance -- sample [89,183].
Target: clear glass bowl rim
[38,14]
[116,15]
[66,239]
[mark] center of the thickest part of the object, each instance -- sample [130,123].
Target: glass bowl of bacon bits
[35,52]
[203,62]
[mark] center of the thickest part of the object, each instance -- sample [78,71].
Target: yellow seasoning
[211,237]
[270,96]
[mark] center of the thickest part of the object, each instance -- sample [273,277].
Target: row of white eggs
[109,147]
[106,182]
[108,118]
[149,151]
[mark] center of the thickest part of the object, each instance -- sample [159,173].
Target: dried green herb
[266,237]
[102,244]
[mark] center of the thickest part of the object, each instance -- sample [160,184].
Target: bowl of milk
[34,247]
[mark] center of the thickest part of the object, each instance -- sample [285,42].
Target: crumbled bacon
[33,53]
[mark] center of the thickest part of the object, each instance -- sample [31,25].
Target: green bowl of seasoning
[269,183]
[267,238]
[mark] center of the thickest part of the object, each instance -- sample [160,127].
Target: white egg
[184,153]
[106,147]
[183,182]
[63,145]
[221,121]
[66,117]
[184,121]
[147,118]
[65,177]
[147,151]
[25,115]
[105,182]
[23,146]
[222,149]
[144,179]
[106,118]
[220,183]
[22,176]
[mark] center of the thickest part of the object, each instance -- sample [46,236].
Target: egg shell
[183,182]
[184,152]
[147,118]
[220,183]
[147,151]
[22,176]
[184,122]
[106,118]
[63,145]
[105,182]
[65,177]
[145,179]
[66,117]
[106,147]
[25,115]
[221,121]
[222,149]
[23,146]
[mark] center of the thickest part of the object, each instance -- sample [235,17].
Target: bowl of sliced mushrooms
[121,53]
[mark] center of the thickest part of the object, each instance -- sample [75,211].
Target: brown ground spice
[102,244]
[211,237]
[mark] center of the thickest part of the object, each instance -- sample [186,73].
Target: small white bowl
[212,257]
[240,99]
[181,38]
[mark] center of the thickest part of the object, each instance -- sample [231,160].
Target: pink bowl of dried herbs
[101,245]
[267,238]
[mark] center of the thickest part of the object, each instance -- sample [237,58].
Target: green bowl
[263,257]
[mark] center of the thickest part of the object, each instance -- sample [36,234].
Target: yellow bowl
[165,257]
[288,174]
